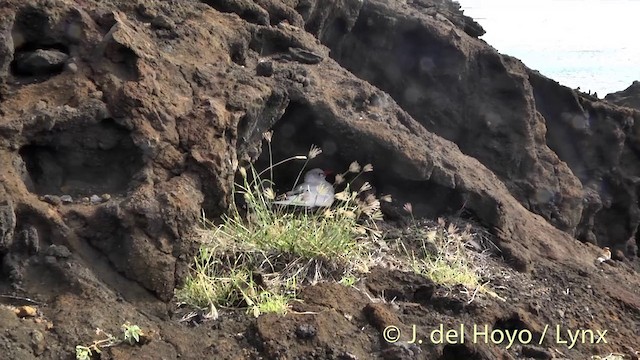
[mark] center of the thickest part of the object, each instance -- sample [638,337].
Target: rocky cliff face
[121,121]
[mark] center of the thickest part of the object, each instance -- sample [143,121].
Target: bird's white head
[314,175]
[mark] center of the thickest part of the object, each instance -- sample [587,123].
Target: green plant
[441,254]
[131,335]
[285,248]
[348,280]
[83,352]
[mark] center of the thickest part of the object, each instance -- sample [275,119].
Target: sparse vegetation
[442,256]
[446,254]
[260,252]
[130,335]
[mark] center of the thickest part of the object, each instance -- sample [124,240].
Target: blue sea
[591,44]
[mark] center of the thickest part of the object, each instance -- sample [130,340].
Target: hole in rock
[513,324]
[293,135]
[37,61]
[300,127]
[267,43]
[250,13]
[238,53]
[81,161]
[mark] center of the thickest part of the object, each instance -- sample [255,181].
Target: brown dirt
[333,321]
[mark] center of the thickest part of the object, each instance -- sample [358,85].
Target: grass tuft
[259,253]
[441,253]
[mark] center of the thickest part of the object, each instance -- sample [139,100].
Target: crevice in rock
[514,324]
[268,41]
[510,323]
[293,134]
[81,161]
[37,54]
[247,10]
[124,59]
[238,53]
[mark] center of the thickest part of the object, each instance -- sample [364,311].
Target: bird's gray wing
[323,194]
[303,198]
[299,189]
[309,195]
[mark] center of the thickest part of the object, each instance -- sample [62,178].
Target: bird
[604,255]
[315,191]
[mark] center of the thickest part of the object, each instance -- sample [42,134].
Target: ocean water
[591,44]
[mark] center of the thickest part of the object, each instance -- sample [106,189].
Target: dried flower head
[339,179]
[354,167]
[360,230]
[328,213]
[386,198]
[268,135]
[365,187]
[367,168]
[269,194]
[408,208]
[371,208]
[243,172]
[375,234]
[346,213]
[342,196]
[314,151]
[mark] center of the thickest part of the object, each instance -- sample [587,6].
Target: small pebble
[66,199]
[58,251]
[105,197]
[95,199]
[163,22]
[72,67]
[52,199]
[85,199]
[26,311]
[264,68]
[306,331]
[37,342]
